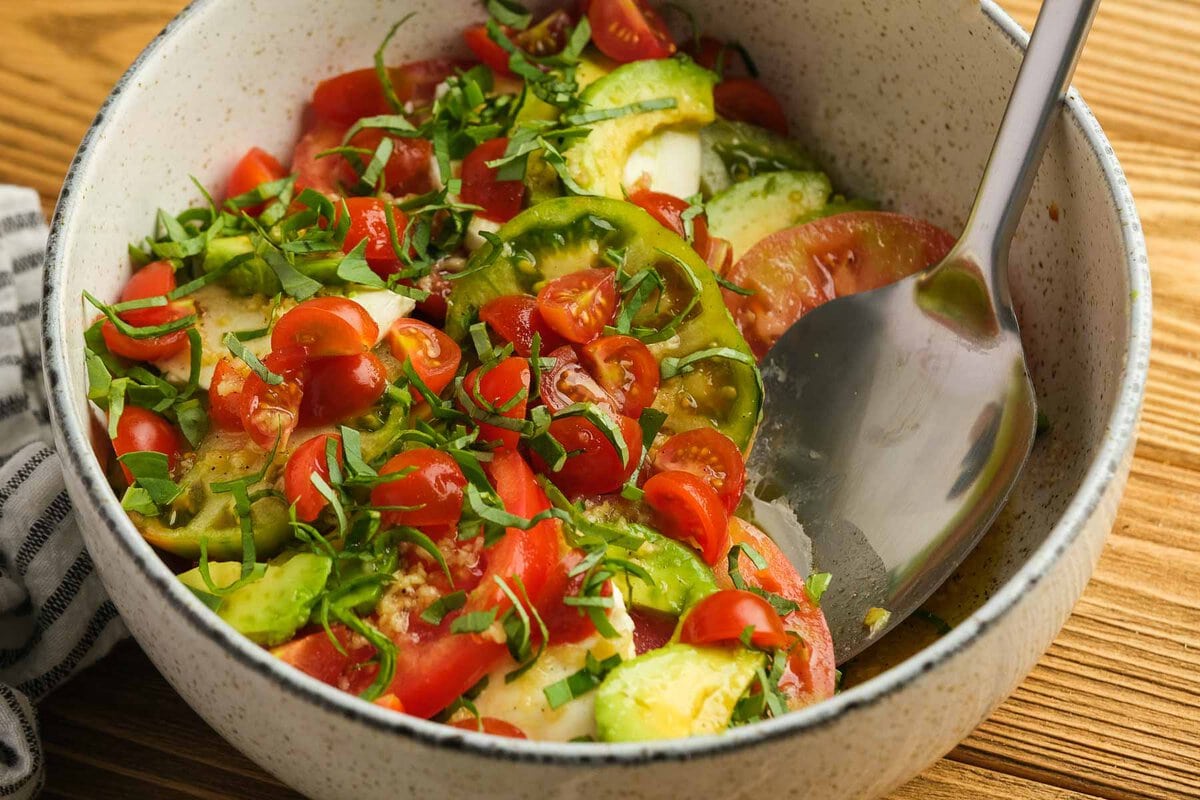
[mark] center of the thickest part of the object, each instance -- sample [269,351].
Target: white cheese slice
[474,240]
[522,702]
[669,160]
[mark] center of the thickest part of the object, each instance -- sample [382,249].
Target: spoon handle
[1058,37]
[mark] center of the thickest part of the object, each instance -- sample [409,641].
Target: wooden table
[1112,711]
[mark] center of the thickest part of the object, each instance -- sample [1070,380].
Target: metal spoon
[898,420]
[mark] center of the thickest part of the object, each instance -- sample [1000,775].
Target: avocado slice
[255,276]
[591,67]
[676,691]
[597,162]
[837,205]
[735,151]
[573,233]
[678,577]
[269,610]
[749,211]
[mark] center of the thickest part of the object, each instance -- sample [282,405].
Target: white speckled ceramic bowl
[900,99]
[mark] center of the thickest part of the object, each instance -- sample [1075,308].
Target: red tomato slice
[417,81]
[256,168]
[721,618]
[433,674]
[270,412]
[319,174]
[344,98]
[431,489]
[407,169]
[315,655]
[501,200]
[568,382]
[516,318]
[578,305]
[496,727]
[140,430]
[487,51]
[338,388]
[626,370]
[305,461]
[628,30]
[690,511]
[710,455]
[368,220]
[812,669]
[434,355]
[153,280]
[497,388]
[747,100]
[795,270]
[326,326]
[594,466]
[225,395]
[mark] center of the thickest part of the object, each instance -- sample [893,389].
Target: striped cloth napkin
[55,617]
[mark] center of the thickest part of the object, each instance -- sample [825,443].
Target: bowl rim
[72,434]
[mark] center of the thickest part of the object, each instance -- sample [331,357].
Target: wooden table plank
[1113,709]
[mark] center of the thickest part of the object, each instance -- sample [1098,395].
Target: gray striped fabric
[55,617]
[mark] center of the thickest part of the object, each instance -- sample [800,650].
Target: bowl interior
[891,117]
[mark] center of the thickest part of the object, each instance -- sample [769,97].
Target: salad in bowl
[452,411]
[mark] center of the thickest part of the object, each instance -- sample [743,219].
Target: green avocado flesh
[676,691]
[573,233]
[749,211]
[270,609]
[254,276]
[731,152]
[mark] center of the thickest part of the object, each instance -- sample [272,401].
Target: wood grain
[1113,709]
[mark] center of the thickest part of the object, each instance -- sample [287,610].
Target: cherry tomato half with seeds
[140,430]
[307,460]
[628,30]
[225,395]
[578,305]
[710,455]
[500,388]
[153,280]
[568,382]
[689,510]
[516,319]
[500,200]
[270,412]
[368,221]
[722,617]
[747,100]
[626,369]
[434,355]
[326,326]
[254,169]
[593,465]
[431,490]
[496,727]
[339,388]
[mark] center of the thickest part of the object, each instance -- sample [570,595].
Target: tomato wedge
[368,222]
[407,169]
[500,388]
[625,369]
[578,305]
[568,382]
[434,355]
[307,460]
[270,412]
[516,319]
[478,42]
[710,455]
[795,270]
[326,326]
[722,617]
[747,100]
[501,200]
[668,210]
[628,30]
[689,510]
[431,490]
[594,466]
[313,171]
[140,430]
[338,388]
[225,395]
[340,665]
[153,280]
[254,169]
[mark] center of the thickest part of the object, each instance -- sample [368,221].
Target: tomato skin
[272,412]
[338,388]
[545,38]
[314,654]
[747,100]
[153,280]
[497,387]
[797,269]
[628,30]
[477,40]
[578,305]
[721,617]
[812,668]
[254,169]
[491,725]
[319,174]
[501,200]
[434,487]
[326,326]
[689,510]
[710,455]
[595,468]
[225,396]
[434,355]
[516,319]
[569,382]
[368,220]
[667,210]
[406,171]
[141,430]
[306,461]
[344,98]
[626,369]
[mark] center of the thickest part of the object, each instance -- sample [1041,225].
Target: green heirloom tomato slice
[719,387]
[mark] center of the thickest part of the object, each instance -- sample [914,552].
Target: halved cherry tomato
[270,412]
[368,220]
[477,40]
[345,98]
[498,388]
[593,466]
[812,669]
[628,30]
[501,200]
[567,382]
[307,460]
[496,727]
[721,618]
[312,170]
[225,395]
[431,490]
[338,388]
[407,169]
[626,370]
[153,280]
[326,326]
[341,665]
[545,38]
[140,430]
[434,355]
[256,168]
[710,455]
[578,305]
[747,100]
[668,210]
[689,510]
[795,270]
[516,318]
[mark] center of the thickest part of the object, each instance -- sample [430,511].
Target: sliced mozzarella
[474,240]
[523,703]
[669,161]
[384,306]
